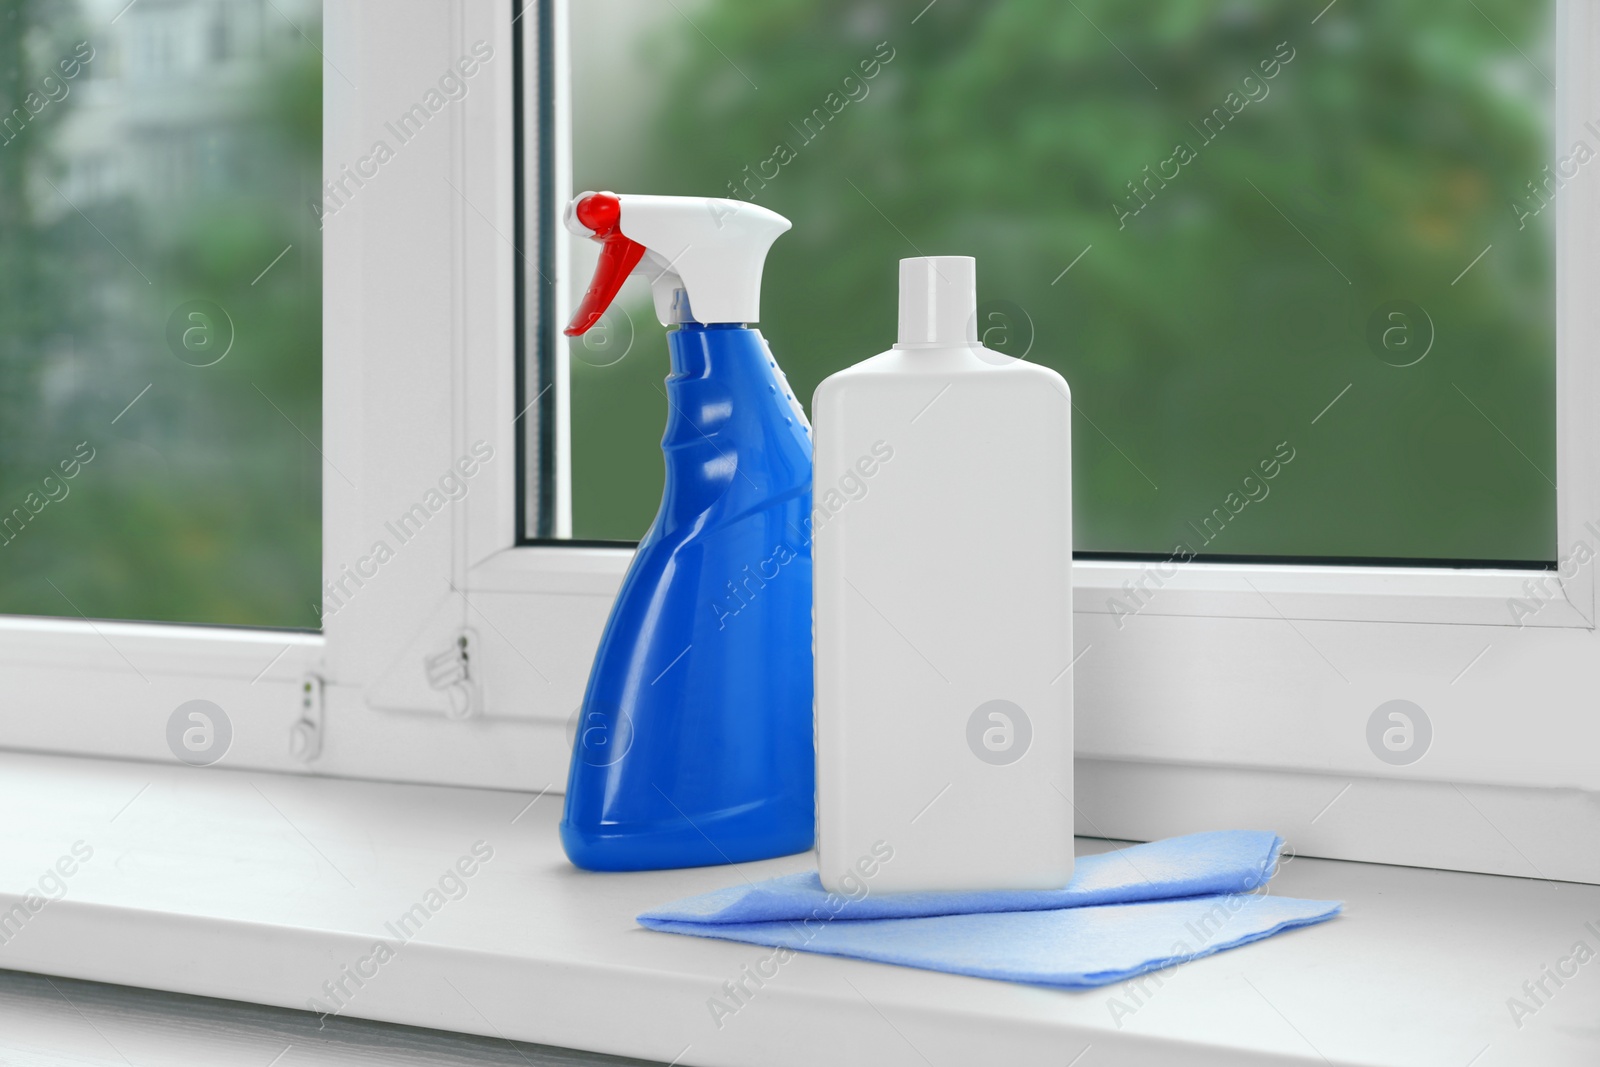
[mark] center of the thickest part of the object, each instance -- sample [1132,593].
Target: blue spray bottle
[694,741]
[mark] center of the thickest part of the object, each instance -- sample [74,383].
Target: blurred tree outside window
[1254,235]
[160,310]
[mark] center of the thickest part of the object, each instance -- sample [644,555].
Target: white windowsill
[260,887]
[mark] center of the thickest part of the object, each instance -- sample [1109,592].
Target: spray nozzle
[709,250]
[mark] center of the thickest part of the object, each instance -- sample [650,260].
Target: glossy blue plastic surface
[694,742]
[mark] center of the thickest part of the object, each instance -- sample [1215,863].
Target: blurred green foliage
[1378,161]
[202,502]
[1197,334]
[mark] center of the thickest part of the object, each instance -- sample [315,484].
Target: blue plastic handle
[694,742]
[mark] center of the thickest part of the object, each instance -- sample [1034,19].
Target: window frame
[1242,723]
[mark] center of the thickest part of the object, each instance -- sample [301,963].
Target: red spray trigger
[602,213]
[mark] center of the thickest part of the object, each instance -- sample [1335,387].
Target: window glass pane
[160,310]
[1298,267]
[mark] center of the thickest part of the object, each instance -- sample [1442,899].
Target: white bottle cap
[939,300]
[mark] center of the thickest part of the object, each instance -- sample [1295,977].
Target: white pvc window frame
[1240,696]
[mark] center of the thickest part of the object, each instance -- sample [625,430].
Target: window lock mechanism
[305,737]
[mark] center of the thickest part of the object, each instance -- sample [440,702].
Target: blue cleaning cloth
[1124,913]
[1224,861]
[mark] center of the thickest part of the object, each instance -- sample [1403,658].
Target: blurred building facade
[158,109]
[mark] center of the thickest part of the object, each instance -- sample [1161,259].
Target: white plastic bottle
[942,547]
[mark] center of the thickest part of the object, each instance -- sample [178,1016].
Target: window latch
[305,736]
[451,673]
